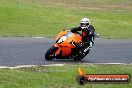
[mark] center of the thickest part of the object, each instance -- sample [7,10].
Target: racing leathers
[87,40]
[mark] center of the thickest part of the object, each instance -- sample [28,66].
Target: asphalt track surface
[16,51]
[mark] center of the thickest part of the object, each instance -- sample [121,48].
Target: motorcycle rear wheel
[77,58]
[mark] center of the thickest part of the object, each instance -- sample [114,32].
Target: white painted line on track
[38,37]
[15,67]
[26,66]
[54,65]
[108,63]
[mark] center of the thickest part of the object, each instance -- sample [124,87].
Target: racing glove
[77,45]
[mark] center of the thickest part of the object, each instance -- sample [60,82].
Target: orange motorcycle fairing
[63,46]
[63,42]
[61,34]
[66,50]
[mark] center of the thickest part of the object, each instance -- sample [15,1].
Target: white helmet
[84,23]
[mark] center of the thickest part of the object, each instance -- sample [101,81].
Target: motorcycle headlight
[63,38]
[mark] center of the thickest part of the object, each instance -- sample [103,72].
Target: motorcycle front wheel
[49,55]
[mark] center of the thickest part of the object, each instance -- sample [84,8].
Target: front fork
[58,52]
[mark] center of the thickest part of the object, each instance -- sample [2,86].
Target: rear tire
[80,55]
[77,58]
[49,55]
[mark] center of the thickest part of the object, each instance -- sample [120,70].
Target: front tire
[49,55]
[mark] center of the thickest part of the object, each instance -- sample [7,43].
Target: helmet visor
[84,24]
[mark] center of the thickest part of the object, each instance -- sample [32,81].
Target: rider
[87,37]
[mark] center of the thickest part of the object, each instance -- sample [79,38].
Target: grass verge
[59,77]
[111,18]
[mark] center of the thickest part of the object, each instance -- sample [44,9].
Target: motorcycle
[64,46]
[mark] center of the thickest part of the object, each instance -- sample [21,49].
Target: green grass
[48,17]
[59,77]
